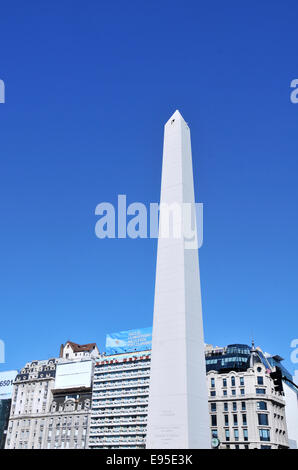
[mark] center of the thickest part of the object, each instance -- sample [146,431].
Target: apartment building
[120,401]
[51,402]
[86,400]
[246,412]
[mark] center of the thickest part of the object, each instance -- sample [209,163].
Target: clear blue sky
[89,86]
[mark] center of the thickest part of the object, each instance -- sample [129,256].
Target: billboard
[129,341]
[74,374]
[6,380]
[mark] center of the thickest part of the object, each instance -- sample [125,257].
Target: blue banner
[129,341]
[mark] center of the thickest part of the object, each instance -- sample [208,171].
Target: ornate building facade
[85,401]
[246,412]
[44,416]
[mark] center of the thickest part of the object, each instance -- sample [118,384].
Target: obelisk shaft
[178,414]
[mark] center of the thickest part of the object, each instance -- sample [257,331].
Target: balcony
[121,392]
[120,384]
[120,402]
[116,440]
[120,375]
[116,421]
[121,367]
[120,411]
[118,431]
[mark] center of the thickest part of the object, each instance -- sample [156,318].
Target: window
[213,420]
[242,391]
[234,406]
[227,434]
[260,380]
[226,407]
[224,382]
[213,406]
[234,392]
[264,434]
[244,420]
[235,420]
[263,419]
[243,405]
[212,382]
[241,381]
[226,420]
[225,393]
[214,433]
[233,382]
[213,393]
[236,434]
[261,405]
[260,391]
[245,434]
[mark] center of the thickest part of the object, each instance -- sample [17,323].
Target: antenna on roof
[252,340]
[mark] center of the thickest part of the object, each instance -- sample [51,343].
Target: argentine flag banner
[129,341]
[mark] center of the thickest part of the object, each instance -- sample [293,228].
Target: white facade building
[245,411]
[31,400]
[49,412]
[120,401]
[73,351]
[59,403]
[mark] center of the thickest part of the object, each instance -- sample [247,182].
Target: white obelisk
[178,416]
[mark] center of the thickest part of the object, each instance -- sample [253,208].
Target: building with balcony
[120,401]
[100,402]
[31,399]
[246,412]
[51,403]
